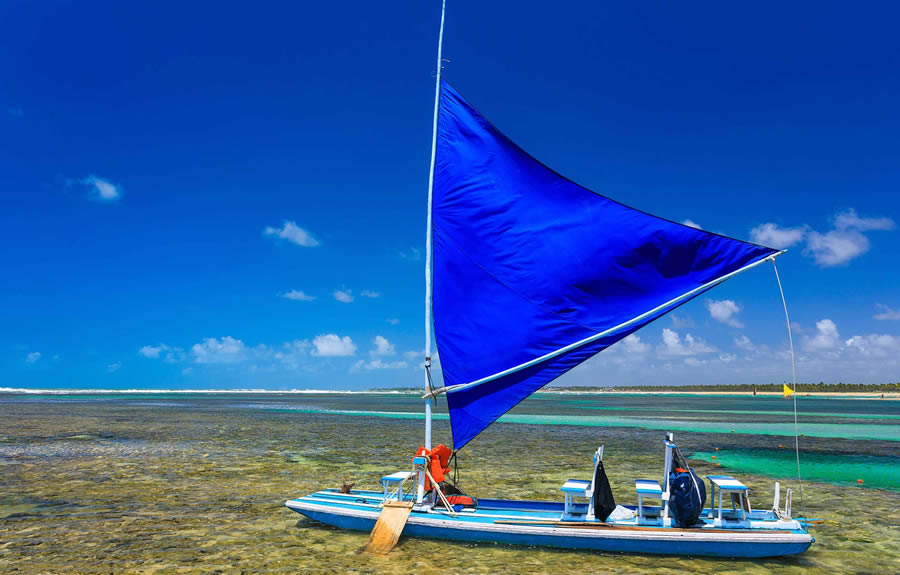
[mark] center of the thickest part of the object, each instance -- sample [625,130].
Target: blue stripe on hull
[471,533]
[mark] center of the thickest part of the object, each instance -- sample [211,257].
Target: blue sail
[534,274]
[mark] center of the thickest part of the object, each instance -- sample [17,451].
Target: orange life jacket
[438,462]
[462,500]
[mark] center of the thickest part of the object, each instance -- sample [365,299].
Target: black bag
[687,497]
[604,503]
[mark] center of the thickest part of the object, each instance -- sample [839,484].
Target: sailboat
[532,275]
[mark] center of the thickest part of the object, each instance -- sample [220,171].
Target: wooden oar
[389,526]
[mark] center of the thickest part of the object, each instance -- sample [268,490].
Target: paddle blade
[389,526]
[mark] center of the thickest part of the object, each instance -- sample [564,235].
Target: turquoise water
[750,412]
[855,431]
[875,471]
[865,423]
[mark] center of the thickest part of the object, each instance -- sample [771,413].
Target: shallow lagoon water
[196,483]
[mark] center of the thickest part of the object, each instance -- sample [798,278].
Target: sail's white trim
[621,326]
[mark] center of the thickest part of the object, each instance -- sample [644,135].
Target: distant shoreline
[845,394]
[892,395]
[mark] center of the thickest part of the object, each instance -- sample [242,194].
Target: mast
[429,399]
[437,100]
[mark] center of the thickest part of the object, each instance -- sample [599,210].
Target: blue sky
[168,173]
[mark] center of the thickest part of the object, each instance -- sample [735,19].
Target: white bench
[575,488]
[581,488]
[646,488]
[388,481]
[730,485]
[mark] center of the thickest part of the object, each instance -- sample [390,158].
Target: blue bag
[687,497]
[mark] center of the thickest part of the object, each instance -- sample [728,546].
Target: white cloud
[393,321]
[849,220]
[412,254]
[743,342]
[152,352]
[343,296]
[827,340]
[293,233]
[168,353]
[674,346]
[886,312]
[187,371]
[33,357]
[846,241]
[382,347]
[670,338]
[369,293]
[331,345]
[679,321]
[771,235]
[297,295]
[834,247]
[292,353]
[114,367]
[878,345]
[633,344]
[414,355]
[826,337]
[691,224]
[224,350]
[724,311]
[101,190]
[873,358]
[378,363]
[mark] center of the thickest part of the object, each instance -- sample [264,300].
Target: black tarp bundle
[604,503]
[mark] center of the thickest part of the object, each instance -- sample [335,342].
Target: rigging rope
[429,384]
[794,386]
[455,469]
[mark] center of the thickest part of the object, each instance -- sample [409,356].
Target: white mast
[437,101]
[429,400]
